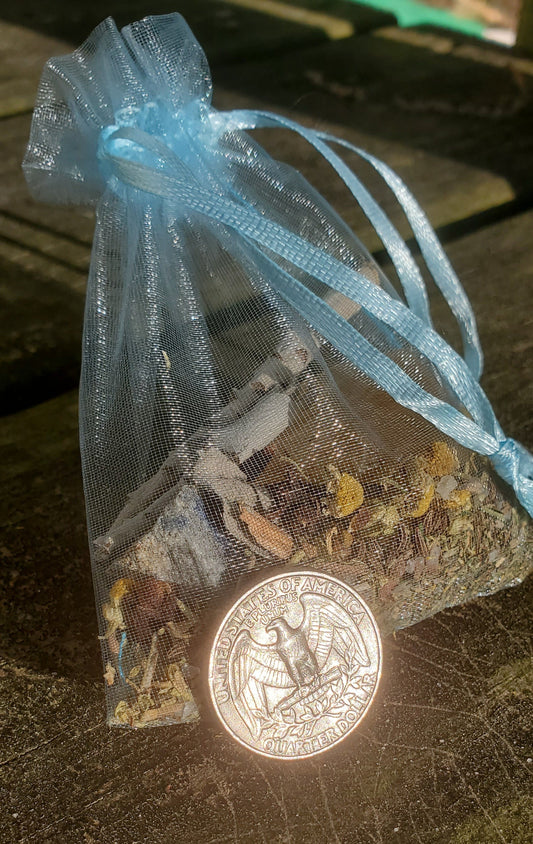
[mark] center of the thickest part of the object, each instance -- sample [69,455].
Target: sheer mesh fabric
[220,434]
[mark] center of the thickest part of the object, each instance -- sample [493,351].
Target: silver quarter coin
[295,665]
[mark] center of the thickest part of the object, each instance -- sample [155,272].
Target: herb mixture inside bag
[254,391]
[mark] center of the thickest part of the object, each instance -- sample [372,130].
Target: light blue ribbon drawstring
[408,272]
[144,162]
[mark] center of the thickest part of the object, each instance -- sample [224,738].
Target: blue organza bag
[254,391]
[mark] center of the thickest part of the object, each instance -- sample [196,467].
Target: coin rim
[258,585]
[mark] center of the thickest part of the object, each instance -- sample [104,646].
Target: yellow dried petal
[123,712]
[144,702]
[120,588]
[423,503]
[458,499]
[113,615]
[390,520]
[172,710]
[348,493]
[443,461]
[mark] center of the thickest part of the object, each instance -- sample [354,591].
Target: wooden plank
[228,31]
[496,270]
[16,203]
[225,32]
[337,18]
[445,747]
[22,55]
[524,36]
[42,315]
[44,259]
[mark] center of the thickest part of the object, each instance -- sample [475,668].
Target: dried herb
[406,540]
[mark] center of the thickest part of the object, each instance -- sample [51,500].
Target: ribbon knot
[514,463]
[158,140]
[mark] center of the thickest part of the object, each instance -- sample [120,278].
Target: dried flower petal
[178,681]
[266,534]
[113,615]
[390,520]
[174,710]
[120,588]
[112,611]
[329,539]
[360,520]
[460,525]
[144,702]
[311,550]
[149,605]
[432,562]
[477,486]
[124,713]
[436,520]
[442,460]
[348,493]
[458,499]
[446,486]
[422,505]
[346,538]
[109,674]
[419,542]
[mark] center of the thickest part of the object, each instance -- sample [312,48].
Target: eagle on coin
[297,661]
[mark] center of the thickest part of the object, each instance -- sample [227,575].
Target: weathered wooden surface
[444,756]
[453,118]
[495,267]
[524,36]
[227,31]
[23,53]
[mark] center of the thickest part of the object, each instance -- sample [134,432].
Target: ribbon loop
[408,272]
